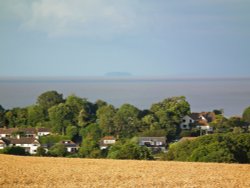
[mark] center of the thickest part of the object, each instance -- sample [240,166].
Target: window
[184,126]
[183,120]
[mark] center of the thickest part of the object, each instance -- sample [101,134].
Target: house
[28,132]
[7,133]
[106,142]
[71,146]
[43,131]
[29,144]
[2,144]
[156,144]
[198,120]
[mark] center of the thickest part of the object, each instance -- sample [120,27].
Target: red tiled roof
[42,129]
[8,131]
[108,138]
[23,140]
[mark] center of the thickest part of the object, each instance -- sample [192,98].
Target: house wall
[43,133]
[108,141]
[31,148]
[185,122]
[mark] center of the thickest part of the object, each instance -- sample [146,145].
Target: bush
[58,150]
[129,150]
[15,150]
[213,148]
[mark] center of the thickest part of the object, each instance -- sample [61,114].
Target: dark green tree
[169,113]
[48,99]
[35,115]
[126,121]
[60,116]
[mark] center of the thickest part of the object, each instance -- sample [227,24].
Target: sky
[146,38]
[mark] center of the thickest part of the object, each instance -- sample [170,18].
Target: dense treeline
[229,147]
[86,123]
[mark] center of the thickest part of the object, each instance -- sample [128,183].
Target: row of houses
[28,137]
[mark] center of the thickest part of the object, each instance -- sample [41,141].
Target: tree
[16,117]
[129,150]
[76,104]
[169,113]
[58,150]
[246,115]
[60,116]
[90,144]
[35,115]
[105,115]
[71,131]
[126,121]
[48,99]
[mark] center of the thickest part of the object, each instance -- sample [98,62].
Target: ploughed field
[17,171]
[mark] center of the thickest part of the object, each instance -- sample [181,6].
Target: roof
[108,138]
[155,139]
[23,141]
[8,131]
[30,130]
[2,142]
[195,116]
[43,129]
[187,138]
[68,143]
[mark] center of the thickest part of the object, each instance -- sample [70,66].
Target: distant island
[118,74]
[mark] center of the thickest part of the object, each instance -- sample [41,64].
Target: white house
[43,131]
[7,133]
[29,144]
[70,146]
[186,122]
[106,142]
[198,120]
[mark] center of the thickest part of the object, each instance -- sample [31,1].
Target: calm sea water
[233,95]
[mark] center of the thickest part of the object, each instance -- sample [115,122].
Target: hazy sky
[166,38]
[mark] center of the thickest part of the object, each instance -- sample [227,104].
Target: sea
[204,94]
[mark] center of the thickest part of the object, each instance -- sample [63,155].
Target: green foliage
[129,150]
[154,133]
[36,115]
[60,116]
[16,116]
[90,144]
[15,151]
[105,115]
[213,148]
[246,114]
[40,151]
[71,131]
[48,99]
[126,121]
[58,150]
[51,140]
[169,113]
